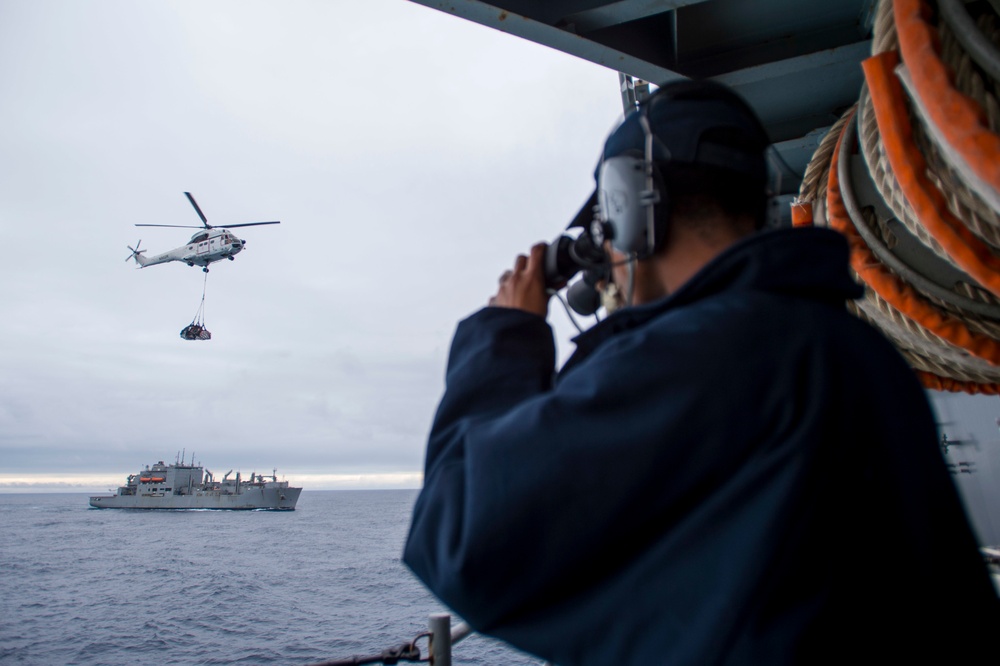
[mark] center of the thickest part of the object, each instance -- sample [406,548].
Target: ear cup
[630,192]
[620,183]
[698,123]
[626,198]
[659,208]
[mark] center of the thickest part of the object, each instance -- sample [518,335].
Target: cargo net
[196,329]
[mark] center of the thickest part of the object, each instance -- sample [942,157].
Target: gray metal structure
[190,486]
[796,62]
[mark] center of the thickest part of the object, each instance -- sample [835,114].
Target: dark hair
[697,191]
[702,188]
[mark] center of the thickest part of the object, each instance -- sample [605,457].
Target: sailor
[730,469]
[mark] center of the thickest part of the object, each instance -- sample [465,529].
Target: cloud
[410,156]
[104,484]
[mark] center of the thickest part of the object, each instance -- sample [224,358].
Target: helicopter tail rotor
[136,254]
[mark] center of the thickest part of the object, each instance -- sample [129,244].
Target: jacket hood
[806,262]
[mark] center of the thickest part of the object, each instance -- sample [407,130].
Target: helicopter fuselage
[205,247]
[208,245]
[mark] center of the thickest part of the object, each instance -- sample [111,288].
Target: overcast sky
[409,155]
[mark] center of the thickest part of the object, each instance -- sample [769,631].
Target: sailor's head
[690,145]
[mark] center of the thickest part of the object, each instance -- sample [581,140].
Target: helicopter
[208,245]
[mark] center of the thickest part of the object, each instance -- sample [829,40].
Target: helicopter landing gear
[231,257]
[205,269]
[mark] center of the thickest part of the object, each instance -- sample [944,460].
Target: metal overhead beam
[616,13]
[794,96]
[851,54]
[797,64]
[553,37]
[567,14]
[797,153]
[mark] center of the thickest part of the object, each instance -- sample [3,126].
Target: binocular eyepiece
[565,257]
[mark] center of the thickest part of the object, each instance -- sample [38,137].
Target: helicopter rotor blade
[200,214]
[250,224]
[135,250]
[175,226]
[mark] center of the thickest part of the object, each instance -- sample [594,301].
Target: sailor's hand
[523,287]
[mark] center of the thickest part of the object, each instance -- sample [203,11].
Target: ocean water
[92,587]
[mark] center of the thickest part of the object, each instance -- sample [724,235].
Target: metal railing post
[440,648]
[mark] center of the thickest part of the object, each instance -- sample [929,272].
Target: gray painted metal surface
[180,486]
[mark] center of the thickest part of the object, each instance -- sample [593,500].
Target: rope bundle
[911,176]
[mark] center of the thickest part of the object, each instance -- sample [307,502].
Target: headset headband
[691,122]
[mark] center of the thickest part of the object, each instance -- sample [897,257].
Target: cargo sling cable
[196,329]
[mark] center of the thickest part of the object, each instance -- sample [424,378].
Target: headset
[627,198]
[631,205]
[633,199]
[623,211]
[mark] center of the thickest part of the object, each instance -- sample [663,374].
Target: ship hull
[190,486]
[248,499]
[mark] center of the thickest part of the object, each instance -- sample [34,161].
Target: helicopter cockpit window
[199,238]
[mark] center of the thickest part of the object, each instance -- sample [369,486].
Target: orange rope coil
[910,167]
[959,117]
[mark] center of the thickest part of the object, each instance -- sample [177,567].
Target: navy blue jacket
[740,473]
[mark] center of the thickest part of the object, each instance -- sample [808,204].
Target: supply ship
[190,486]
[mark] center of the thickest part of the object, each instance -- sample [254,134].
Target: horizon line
[100,483]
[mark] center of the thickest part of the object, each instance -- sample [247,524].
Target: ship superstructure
[189,486]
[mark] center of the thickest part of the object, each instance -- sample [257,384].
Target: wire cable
[569,312]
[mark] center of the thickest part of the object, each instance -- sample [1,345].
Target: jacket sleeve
[499,358]
[531,487]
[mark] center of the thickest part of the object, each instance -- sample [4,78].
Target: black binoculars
[565,257]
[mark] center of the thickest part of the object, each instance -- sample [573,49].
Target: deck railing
[441,638]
